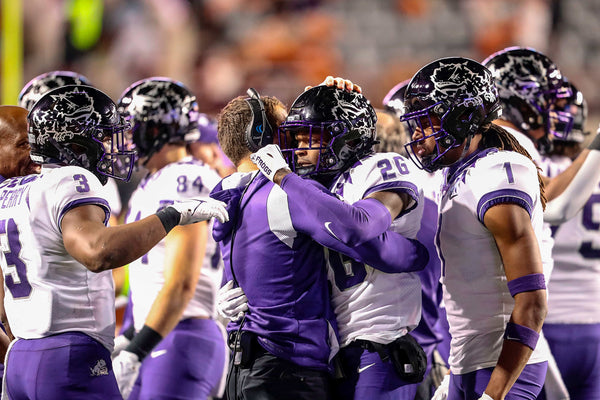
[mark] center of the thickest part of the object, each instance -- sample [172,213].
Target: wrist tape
[143,342]
[169,218]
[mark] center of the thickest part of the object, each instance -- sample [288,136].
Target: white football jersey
[575,281]
[476,295]
[182,180]
[370,304]
[46,290]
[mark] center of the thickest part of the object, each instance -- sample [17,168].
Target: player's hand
[232,303]
[269,160]
[439,370]
[485,396]
[197,210]
[441,393]
[121,342]
[340,83]
[126,367]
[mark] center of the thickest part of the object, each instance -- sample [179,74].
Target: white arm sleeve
[566,205]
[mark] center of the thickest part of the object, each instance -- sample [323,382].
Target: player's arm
[516,241]
[100,248]
[184,253]
[351,224]
[568,192]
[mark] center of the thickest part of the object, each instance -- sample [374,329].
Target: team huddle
[443,246]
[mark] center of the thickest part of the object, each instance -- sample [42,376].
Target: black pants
[267,377]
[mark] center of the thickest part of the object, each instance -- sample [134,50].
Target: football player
[57,250]
[328,136]
[572,326]
[491,208]
[173,286]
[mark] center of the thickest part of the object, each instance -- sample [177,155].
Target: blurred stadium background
[220,47]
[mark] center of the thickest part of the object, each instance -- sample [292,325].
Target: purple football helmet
[38,86]
[528,84]
[454,97]
[345,122]
[80,125]
[394,99]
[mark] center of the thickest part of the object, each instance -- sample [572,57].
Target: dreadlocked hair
[496,136]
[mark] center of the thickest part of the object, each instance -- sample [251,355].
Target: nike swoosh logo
[365,367]
[330,231]
[158,353]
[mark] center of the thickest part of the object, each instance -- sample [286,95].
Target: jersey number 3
[15,270]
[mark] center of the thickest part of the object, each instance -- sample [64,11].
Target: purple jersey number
[346,277]
[587,220]
[386,168]
[18,285]
[83,186]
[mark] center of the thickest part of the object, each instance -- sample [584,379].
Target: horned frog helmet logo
[70,114]
[520,75]
[162,101]
[456,80]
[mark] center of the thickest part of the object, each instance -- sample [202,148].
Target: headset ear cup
[258,132]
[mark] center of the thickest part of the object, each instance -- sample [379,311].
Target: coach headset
[258,132]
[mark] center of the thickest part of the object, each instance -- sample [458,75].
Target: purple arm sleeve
[391,252]
[350,224]
[311,212]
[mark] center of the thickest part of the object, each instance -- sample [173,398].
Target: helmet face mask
[567,117]
[316,139]
[160,111]
[79,125]
[429,125]
[447,101]
[339,124]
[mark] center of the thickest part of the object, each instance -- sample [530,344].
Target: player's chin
[32,168]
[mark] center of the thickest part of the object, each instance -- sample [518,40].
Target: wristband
[129,333]
[169,218]
[143,343]
[595,144]
[521,334]
[526,283]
